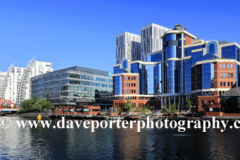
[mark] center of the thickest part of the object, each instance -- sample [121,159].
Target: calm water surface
[117,143]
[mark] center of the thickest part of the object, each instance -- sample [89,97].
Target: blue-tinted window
[230,52]
[221,75]
[231,65]
[224,66]
[212,47]
[118,70]
[207,75]
[220,65]
[231,74]
[125,64]
[224,75]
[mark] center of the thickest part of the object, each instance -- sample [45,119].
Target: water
[117,143]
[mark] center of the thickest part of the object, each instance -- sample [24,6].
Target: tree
[35,105]
[42,104]
[188,103]
[27,105]
[128,106]
[148,106]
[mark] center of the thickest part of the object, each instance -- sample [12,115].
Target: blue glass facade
[230,52]
[118,85]
[157,57]
[118,70]
[135,67]
[207,75]
[148,58]
[180,77]
[158,78]
[187,75]
[149,72]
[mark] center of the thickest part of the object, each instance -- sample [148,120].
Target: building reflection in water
[117,143]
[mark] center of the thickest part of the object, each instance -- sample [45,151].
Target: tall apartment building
[66,86]
[186,68]
[151,41]
[16,83]
[128,45]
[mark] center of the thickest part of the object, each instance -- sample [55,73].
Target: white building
[128,45]
[151,40]
[16,83]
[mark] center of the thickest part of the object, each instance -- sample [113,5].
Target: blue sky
[79,32]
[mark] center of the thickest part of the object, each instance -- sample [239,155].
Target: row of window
[130,78]
[130,91]
[224,83]
[224,75]
[132,84]
[228,66]
[210,93]
[131,98]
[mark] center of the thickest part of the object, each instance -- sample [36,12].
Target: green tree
[128,106]
[148,107]
[188,103]
[173,108]
[27,105]
[35,105]
[42,104]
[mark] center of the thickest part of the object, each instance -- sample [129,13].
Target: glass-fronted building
[66,86]
[186,67]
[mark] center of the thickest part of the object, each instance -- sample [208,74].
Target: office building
[128,45]
[66,86]
[187,67]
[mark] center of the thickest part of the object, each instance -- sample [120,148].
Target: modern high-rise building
[128,45]
[15,83]
[151,41]
[66,86]
[187,67]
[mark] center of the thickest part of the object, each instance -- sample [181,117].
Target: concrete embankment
[28,115]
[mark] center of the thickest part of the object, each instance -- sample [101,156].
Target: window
[219,92]
[195,85]
[231,65]
[132,78]
[228,74]
[220,83]
[221,66]
[228,65]
[231,74]
[224,83]
[228,83]
[132,84]
[195,78]
[126,78]
[195,69]
[132,91]
[126,91]
[220,75]
[126,84]
[224,75]
[231,83]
